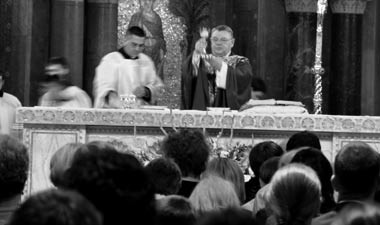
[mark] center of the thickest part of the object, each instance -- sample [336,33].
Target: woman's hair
[315,159]
[359,213]
[294,195]
[213,193]
[61,161]
[228,169]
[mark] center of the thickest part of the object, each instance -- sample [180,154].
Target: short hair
[303,139]
[115,182]
[359,213]
[316,160]
[165,175]
[268,168]
[228,216]
[174,210]
[59,207]
[294,195]
[189,149]
[61,161]
[261,152]
[230,170]
[137,31]
[213,193]
[223,28]
[14,163]
[58,60]
[357,167]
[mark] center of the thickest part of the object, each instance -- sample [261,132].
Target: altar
[44,130]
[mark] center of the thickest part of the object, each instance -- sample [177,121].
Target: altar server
[127,72]
[8,105]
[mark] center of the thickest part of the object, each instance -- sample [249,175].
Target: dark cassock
[200,88]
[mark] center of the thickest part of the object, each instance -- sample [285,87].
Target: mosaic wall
[174,32]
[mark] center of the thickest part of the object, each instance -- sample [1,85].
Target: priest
[220,79]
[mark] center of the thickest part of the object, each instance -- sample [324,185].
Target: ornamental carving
[247,121]
[197,119]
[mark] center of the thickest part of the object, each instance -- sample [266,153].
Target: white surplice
[8,106]
[121,75]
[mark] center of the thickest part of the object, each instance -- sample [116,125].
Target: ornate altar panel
[139,131]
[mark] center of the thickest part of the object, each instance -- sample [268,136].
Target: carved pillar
[67,27]
[302,21]
[101,35]
[346,59]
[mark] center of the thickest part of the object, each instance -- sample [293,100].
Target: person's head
[116,183]
[316,160]
[259,88]
[222,40]
[356,167]
[14,162]
[135,41]
[303,139]
[61,161]
[362,213]
[56,72]
[229,216]
[267,170]
[230,170]
[261,152]
[294,196]
[174,210]
[189,149]
[165,175]
[57,65]
[57,207]
[213,193]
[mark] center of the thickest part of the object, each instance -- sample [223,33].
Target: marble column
[302,21]
[346,59]
[67,30]
[101,35]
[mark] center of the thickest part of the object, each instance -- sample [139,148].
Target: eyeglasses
[223,40]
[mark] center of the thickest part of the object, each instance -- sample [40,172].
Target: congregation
[97,184]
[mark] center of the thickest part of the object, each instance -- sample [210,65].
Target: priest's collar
[125,55]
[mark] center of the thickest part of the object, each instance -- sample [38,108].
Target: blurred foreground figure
[59,92]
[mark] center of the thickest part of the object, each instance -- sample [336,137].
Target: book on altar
[273,106]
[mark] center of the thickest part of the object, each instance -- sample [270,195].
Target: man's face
[221,43]
[134,45]
[56,69]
